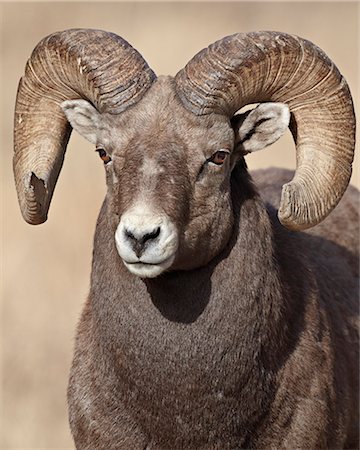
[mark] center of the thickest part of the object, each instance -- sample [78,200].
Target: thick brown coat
[256,350]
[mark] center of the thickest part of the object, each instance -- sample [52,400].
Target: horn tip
[34,219]
[292,214]
[34,207]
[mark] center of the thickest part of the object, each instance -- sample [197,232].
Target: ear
[261,126]
[83,117]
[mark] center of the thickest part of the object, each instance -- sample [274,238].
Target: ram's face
[168,175]
[169,186]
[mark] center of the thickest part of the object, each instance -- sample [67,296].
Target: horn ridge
[272,66]
[95,65]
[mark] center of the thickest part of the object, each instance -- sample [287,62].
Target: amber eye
[103,155]
[219,157]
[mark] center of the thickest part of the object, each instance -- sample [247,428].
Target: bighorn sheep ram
[209,325]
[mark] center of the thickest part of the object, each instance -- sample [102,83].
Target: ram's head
[169,145]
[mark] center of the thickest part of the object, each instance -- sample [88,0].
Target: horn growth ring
[95,65]
[278,67]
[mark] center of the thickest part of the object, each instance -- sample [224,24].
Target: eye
[103,155]
[219,157]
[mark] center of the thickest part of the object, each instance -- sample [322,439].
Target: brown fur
[249,341]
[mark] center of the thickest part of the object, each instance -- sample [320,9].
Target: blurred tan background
[45,269]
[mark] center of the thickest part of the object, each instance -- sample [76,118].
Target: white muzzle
[146,241]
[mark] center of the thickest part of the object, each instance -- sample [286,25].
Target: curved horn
[270,66]
[91,64]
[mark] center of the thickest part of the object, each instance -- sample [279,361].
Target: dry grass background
[45,269]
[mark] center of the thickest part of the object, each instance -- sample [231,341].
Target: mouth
[145,269]
[152,263]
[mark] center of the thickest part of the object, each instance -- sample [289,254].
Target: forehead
[160,120]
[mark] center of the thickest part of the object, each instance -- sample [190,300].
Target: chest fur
[182,362]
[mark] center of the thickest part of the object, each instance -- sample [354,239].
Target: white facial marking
[150,167]
[115,179]
[155,254]
[150,170]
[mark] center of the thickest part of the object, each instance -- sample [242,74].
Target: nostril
[138,243]
[129,235]
[153,235]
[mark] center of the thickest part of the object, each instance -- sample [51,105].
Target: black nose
[139,242]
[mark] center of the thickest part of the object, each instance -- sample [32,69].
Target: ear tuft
[263,126]
[83,117]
